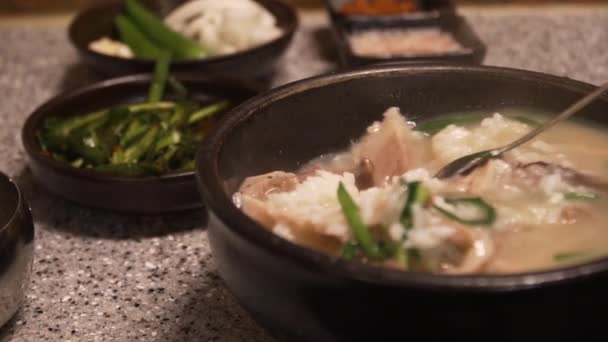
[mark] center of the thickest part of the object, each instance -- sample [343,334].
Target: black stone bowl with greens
[123,145]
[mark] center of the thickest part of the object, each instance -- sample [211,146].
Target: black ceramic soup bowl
[256,62]
[16,248]
[299,294]
[164,193]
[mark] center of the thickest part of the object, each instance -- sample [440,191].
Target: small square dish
[363,10]
[446,40]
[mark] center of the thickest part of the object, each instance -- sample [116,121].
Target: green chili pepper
[161,72]
[360,231]
[416,194]
[208,111]
[487,214]
[131,35]
[155,28]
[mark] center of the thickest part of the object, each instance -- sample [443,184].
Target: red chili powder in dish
[378,7]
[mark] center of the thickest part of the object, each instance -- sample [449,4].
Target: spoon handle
[580,104]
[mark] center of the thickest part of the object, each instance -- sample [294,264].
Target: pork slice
[288,227]
[258,187]
[386,146]
[540,169]
[258,210]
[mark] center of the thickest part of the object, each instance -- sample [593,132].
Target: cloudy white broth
[539,206]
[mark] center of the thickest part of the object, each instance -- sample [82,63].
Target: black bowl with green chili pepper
[300,294]
[254,63]
[108,146]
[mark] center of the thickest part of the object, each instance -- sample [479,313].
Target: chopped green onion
[77,162]
[433,126]
[154,27]
[526,120]
[568,256]
[487,214]
[360,230]
[208,111]
[580,196]
[59,127]
[414,259]
[161,105]
[416,194]
[161,71]
[172,137]
[178,87]
[135,130]
[401,255]
[349,250]
[138,149]
[131,35]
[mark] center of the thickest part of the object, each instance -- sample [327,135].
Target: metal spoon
[464,165]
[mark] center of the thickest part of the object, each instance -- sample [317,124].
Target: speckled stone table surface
[100,276]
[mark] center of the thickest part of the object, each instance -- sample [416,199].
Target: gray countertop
[100,276]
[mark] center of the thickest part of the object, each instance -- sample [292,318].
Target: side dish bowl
[299,294]
[146,194]
[16,248]
[256,62]
[472,49]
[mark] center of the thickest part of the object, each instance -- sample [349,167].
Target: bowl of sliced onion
[240,38]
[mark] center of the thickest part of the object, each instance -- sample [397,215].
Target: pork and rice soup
[539,206]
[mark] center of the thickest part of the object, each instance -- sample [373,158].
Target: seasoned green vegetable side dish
[150,138]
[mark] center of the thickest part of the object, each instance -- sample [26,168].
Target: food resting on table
[196,29]
[150,138]
[540,206]
[378,7]
[388,43]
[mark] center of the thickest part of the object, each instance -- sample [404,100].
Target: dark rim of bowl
[33,122]
[286,34]
[237,222]
[18,204]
